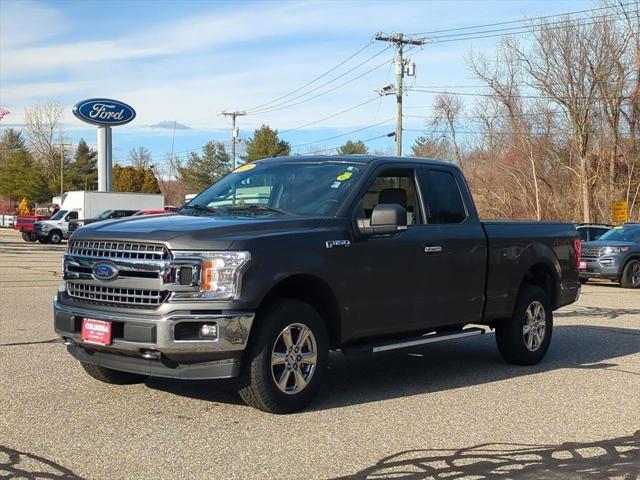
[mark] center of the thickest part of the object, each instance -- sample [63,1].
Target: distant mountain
[169,125]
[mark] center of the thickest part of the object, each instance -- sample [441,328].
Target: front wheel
[43,239]
[631,275]
[28,237]
[115,377]
[55,237]
[525,338]
[285,361]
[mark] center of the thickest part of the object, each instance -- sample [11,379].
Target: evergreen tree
[83,171]
[22,177]
[10,142]
[353,148]
[264,144]
[201,171]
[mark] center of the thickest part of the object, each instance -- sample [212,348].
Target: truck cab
[56,228]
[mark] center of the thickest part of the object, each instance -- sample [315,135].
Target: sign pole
[105,168]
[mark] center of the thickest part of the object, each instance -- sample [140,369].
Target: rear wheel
[55,237]
[584,280]
[525,338]
[631,274]
[285,361]
[114,377]
[43,239]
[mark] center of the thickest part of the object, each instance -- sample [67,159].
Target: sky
[186,61]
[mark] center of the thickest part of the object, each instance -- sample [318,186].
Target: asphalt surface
[448,410]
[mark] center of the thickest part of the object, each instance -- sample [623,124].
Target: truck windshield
[302,188]
[59,214]
[622,234]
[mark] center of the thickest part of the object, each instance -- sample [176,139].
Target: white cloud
[27,22]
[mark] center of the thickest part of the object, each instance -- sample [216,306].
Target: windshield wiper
[202,208]
[256,209]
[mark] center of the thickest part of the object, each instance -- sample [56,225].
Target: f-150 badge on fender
[337,243]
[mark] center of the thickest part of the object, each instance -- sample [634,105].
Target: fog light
[209,330]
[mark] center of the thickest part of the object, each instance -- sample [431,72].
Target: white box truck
[82,205]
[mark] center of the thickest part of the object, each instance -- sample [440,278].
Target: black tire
[510,335]
[631,274]
[114,377]
[43,239]
[256,384]
[583,280]
[55,237]
[28,237]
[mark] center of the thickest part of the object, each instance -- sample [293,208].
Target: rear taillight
[576,249]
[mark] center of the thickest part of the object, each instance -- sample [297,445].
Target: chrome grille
[133,297]
[587,251]
[115,250]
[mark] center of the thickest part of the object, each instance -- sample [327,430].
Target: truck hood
[187,232]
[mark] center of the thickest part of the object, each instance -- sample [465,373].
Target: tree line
[553,133]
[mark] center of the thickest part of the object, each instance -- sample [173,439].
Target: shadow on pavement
[442,366]
[16,464]
[614,458]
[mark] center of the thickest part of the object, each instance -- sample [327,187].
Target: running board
[412,342]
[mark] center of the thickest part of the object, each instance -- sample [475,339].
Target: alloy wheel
[293,358]
[535,326]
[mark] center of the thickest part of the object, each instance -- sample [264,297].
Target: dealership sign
[104,112]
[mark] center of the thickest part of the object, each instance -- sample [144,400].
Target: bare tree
[43,123]
[446,109]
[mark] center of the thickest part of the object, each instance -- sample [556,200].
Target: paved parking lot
[449,410]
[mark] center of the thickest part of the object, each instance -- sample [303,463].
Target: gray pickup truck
[284,259]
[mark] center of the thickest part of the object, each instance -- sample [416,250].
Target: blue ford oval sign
[104,271]
[103,111]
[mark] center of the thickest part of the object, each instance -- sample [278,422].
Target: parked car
[590,232]
[106,215]
[152,212]
[81,206]
[614,256]
[284,259]
[25,223]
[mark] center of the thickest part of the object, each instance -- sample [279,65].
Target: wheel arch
[314,291]
[542,275]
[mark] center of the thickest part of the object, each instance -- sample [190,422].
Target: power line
[315,79]
[387,135]
[540,97]
[315,122]
[326,91]
[343,134]
[279,106]
[510,22]
[524,30]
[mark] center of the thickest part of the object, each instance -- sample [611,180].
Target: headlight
[44,227]
[609,250]
[219,274]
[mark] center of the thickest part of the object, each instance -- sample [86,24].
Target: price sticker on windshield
[245,168]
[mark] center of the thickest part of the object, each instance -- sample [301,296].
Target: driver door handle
[432,249]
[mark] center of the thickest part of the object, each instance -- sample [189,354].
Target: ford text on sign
[103,111]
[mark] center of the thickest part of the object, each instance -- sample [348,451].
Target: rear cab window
[442,196]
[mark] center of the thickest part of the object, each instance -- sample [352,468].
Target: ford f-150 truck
[284,259]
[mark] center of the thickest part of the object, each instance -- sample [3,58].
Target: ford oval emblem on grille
[104,271]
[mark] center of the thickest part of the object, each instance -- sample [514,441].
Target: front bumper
[602,267]
[148,344]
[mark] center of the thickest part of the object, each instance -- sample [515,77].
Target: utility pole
[62,146]
[399,42]
[234,133]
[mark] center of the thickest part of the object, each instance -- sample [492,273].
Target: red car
[151,212]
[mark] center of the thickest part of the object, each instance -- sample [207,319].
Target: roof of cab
[365,159]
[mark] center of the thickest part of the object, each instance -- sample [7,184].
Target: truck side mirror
[386,219]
